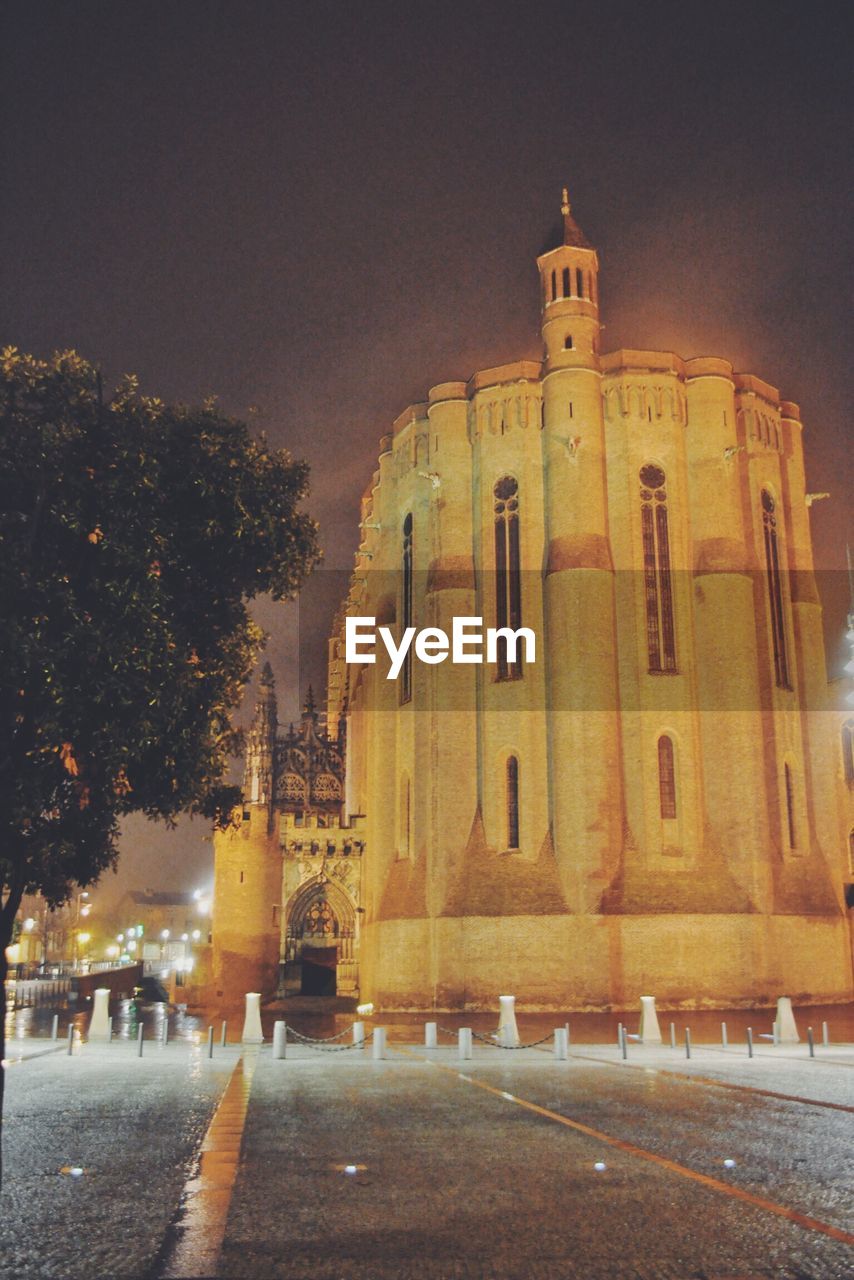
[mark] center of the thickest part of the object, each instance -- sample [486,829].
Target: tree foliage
[132,535]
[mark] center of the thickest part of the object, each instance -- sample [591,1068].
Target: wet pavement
[508,1166]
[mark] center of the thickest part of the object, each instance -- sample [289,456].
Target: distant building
[45,938]
[656,803]
[165,926]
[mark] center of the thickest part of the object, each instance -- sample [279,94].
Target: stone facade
[288,872]
[659,802]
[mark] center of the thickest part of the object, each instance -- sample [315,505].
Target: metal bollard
[825,1035]
[568,1042]
[687,1042]
[70,1038]
[379,1044]
[561,1044]
[280,1039]
[464,1042]
[431,1035]
[775,1032]
[54,1027]
[811,1042]
[164,1032]
[359,1034]
[109,1031]
[619,1035]
[623,1042]
[673,1035]
[724,1041]
[750,1042]
[210,1042]
[223,1035]
[139,1035]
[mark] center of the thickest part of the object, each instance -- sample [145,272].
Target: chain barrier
[318,1039]
[323,1047]
[490,1040]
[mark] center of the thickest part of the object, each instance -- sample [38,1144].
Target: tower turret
[261,743]
[579,587]
[569,270]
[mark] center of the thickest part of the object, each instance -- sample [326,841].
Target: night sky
[318,211]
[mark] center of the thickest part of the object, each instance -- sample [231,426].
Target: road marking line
[717,1084]
[714,1184]
[207,1195]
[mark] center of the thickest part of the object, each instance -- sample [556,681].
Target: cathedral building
[656,800]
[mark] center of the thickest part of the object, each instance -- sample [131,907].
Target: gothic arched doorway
[320,925]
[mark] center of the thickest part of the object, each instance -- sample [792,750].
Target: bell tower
[579,586]
[246,923]
[569,283]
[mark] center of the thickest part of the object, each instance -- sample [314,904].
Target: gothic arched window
[406,608]
[666,777]
[566,289]
[405,817]
[508,582]
[775,591]
[658,586]
[554,285]
[512,797]
[790,806]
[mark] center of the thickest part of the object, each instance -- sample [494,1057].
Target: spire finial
[564,202]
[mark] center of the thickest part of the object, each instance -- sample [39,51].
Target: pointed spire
[309,708]
[572,233]
[268,680]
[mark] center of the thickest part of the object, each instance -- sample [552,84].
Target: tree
[132,535]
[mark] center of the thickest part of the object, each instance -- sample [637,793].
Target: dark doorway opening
[319,971]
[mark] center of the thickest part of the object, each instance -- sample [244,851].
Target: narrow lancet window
[508,581]
[775,591]
[566,289]
[790,807]
[406,608]
[405,818]
[658,584]
[666,777]
[512,802]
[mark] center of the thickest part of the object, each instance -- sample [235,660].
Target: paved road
[464,1171]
